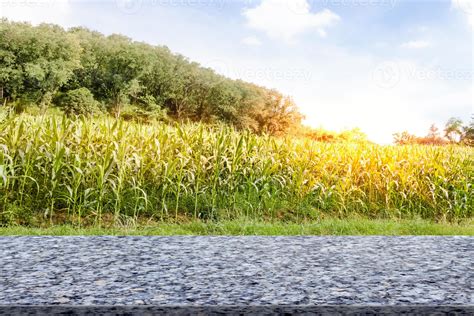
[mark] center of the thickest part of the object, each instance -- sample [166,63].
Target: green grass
[237,228]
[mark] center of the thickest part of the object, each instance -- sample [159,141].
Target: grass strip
[334,227]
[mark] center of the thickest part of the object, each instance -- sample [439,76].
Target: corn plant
[90,170]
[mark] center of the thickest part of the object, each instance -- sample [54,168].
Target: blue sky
[381,65]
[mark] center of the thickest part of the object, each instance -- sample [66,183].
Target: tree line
[86,72]
[454,132]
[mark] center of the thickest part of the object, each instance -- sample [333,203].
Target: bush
[142,115]
[144,110]
[78,101]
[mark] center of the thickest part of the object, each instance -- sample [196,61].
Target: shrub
[144,111]
[78,101]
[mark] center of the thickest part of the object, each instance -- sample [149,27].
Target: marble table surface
[237,271]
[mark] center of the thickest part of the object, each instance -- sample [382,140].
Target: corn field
[84,171]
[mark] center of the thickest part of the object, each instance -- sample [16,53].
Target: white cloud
[251,41]
[416,44]
[38,11]
[285,19]
[467,7]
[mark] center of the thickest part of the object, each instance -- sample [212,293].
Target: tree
[35,61]
[467,137]
[433,132]
[404,138]
[279,114]
[44,63]
[454,129]
[119,67]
